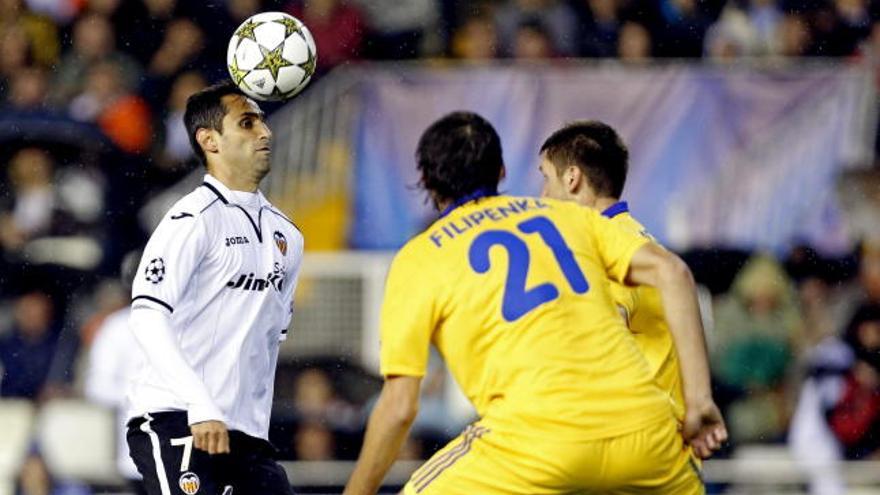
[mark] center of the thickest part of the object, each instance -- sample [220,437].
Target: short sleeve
[170,258]
[615,245]
[408,317]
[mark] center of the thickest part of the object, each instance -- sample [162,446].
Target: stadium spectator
[761,29]
[34,478]
[634,43]
[681,29]
[27,351]
[183,42]
[313,441]
[14,57]
[114,358]
[729,37]
[141,26]
[599,25]
[757,326]
[764,17]
[869,273]
[855,419]
[183,49]
[122,115]
[398,29]
[338,28]
[41,34]
[532,41]
[811,440]
[175,147]
[315,400]
[242,9]
[794,38]
[557,18]
[852,23]
[93,42]
[30,175]
[476,39]
[45,203]
[28,90]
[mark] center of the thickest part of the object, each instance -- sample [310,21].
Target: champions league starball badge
[155,271]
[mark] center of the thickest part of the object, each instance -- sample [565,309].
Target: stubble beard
[261,169]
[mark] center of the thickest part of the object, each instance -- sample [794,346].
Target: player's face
[246,141]
[554,187]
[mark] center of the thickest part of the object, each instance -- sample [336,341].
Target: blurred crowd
[92,94]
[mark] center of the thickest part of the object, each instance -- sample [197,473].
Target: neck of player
[604,202]
[235,180]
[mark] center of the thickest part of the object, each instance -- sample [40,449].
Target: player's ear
[207,140]
[572,178]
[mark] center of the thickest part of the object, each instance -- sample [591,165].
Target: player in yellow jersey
[586,162]
[514,293]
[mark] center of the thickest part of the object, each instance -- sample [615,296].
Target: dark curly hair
[596,149]
[457,155]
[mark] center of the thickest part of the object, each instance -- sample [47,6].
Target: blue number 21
[517,299]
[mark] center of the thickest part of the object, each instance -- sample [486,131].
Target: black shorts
[161,446]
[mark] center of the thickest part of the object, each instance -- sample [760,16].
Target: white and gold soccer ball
[271,56]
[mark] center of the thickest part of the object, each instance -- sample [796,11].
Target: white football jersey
[224,264]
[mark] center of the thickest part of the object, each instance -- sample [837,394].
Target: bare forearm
[381,445]
[683,315]
[387,429]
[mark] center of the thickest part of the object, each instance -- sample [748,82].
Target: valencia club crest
[281,242]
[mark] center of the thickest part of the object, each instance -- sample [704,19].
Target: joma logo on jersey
[252,282]
[231,241]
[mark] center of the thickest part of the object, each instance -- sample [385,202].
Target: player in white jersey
[211,302]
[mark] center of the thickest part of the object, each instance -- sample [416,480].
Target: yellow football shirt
[514,293]
[643,311]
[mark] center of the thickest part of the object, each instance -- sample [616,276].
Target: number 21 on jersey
[518,300]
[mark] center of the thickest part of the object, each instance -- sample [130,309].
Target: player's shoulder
[630,223]
[194,205]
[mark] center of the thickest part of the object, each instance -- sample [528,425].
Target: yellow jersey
[514,293]
[642,309]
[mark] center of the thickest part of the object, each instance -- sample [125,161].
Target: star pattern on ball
[237,74]
[155,271]
[247,30]
[290,25]
[309,65]
[273,60]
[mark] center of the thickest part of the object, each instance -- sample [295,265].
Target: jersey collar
[616,209]
[225,194]
[479,193]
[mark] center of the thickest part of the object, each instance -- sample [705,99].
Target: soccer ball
[271,56]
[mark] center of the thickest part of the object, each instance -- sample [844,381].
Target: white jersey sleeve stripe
[153,299]
[157,455]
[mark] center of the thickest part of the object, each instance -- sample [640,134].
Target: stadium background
[752,126]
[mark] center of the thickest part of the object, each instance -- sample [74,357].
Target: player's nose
[265,132]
